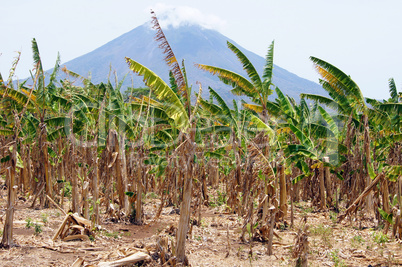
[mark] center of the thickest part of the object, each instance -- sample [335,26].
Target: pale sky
[361,37]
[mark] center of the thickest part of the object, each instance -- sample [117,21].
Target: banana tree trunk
[95,183]
[24,171]
[213,167]
[177,183]
[118,170]
[140,174]
[323,203]
[328,182]
[7,240]
[162,184]
[184,215]
[238,162]
[29,170]
[74,179]
[399,191]
[283,193]
[366,147]
[85,197]
[236,186]
[265,200]
[60,168]
[188,151]
[385,202]
[44,162]
[108,178]
[67,170]
[124,182]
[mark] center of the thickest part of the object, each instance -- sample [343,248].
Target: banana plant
[178,107]
[256,87]
[346,98]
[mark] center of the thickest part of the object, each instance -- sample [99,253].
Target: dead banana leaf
[114,155]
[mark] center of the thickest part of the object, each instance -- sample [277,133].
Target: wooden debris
[82,221]
[77,227]
[61,228]
[136,257]
[75,237]
[73,227]
[78,262]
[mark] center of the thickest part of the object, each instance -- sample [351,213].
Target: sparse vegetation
[325,233]
[38,229]
[29,223]
[333,216]
[335,258]
[44,218]
[67,189]
[115,235]
[357,240]
[379,237]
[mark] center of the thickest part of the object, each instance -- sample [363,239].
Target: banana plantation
[96,153]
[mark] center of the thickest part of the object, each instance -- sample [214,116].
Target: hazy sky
[361,37]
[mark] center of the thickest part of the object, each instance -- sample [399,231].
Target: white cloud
[176,16]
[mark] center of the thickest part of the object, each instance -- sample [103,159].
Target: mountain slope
[191,43]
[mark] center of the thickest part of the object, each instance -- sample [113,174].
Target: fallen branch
[139,256]
[57,206]
[352,208]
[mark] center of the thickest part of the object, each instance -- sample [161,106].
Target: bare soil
[215,242]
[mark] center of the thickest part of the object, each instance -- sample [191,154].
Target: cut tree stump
[300,248]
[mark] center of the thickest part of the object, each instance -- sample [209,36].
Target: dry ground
[214,243]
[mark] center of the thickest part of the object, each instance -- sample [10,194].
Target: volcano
[191,43]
